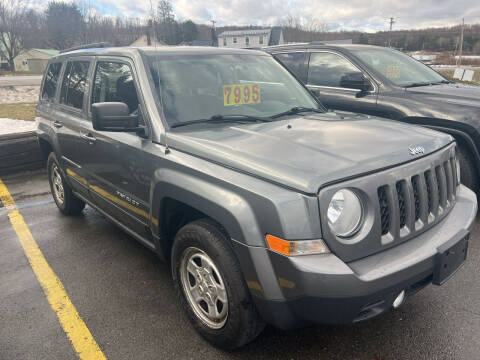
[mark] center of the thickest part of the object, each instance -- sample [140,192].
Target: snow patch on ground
[19,94]
[14,126]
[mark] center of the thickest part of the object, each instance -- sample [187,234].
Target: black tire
[70,204]
[468,172]
[243,323]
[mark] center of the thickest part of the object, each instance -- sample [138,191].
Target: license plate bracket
[450,257]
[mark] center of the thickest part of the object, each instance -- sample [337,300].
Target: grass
[21,111]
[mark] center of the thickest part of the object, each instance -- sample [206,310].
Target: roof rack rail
[88,46]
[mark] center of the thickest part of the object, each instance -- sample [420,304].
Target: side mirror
[113,116]
[355,80]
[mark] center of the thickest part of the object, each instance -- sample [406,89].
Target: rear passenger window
[293,61]
[327,69]
[51,80]
[74,83]
[114,83]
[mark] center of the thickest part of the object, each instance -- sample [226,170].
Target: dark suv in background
[388,83]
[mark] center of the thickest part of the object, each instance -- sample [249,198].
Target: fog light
[399,299]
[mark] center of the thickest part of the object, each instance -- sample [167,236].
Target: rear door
[114,161]
[324,76]
[70,117]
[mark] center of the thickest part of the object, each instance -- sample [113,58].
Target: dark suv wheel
[211,287]
[66,202]
[468,172]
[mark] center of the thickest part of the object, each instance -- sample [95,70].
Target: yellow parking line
[73,325]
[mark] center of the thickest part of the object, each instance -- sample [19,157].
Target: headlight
[345,213]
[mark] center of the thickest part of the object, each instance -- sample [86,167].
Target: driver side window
[114,82]
[327,69]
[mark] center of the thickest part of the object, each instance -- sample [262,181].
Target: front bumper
[296,291]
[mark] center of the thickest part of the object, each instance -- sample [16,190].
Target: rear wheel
[211,287]
[468,172]
[62,193]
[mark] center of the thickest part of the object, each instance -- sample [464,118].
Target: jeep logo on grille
[416,150]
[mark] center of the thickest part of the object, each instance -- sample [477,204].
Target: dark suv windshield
[195,87]
[399,68]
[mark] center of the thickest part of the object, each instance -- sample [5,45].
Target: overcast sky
[363,15]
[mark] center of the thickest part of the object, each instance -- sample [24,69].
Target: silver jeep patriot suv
[269,209]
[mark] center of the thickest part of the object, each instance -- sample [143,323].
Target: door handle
[89,138]
[57,124]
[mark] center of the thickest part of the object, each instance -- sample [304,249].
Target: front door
[325,72]
[69,119]
[114,161]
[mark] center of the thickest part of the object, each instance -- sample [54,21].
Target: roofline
[163,50]
[87,46]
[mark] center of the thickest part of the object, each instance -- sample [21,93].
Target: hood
[306,152]
[455,93]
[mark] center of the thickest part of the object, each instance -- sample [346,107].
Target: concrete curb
[19,152]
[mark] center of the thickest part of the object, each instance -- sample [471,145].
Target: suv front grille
[400,203]
[418,199]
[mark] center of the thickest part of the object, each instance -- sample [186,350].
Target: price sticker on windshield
[241,94]
[393,72]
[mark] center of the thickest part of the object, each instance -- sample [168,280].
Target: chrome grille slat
[424,211]
[442,185]
[449,176]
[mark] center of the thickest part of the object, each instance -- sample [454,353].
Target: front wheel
[211,287]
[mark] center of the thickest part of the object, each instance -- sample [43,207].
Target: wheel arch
[464,134]
[175,203]
[45,147]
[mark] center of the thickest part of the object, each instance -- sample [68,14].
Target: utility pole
[214,36]
[392,21]
[459,60]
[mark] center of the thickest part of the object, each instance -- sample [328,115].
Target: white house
[33,60]
[248,38]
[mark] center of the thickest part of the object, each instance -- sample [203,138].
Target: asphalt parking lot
[125,297]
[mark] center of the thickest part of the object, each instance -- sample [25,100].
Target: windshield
[399,68]
[195,87]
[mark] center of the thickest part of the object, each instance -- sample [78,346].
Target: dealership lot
[125,297]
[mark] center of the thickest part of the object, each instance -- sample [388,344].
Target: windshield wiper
[417,84]
[297,110]
[223,119]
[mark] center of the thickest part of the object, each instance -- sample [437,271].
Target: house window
[247,40]
[234,40]
[260,39]
[224,41]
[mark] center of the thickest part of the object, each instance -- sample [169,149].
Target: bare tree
[65,25]
[12,28]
